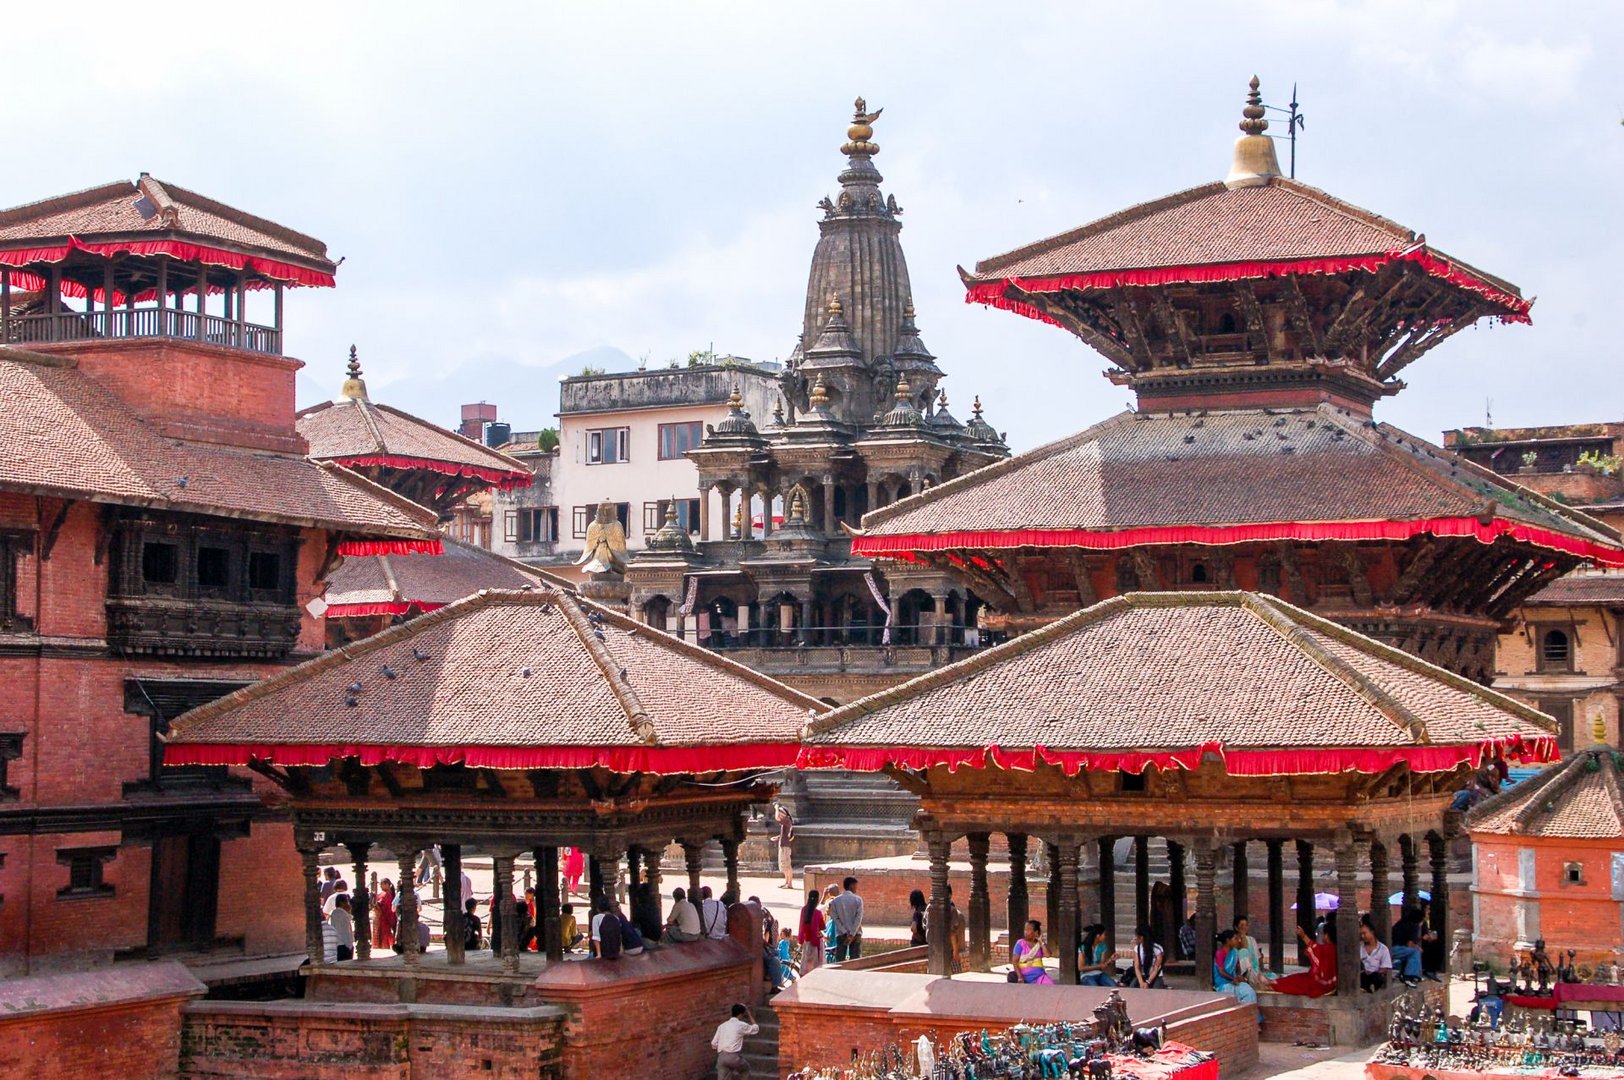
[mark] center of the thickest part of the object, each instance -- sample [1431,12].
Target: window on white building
[537,524]
[582,516]
[677,439]
[687,516]
[608,446]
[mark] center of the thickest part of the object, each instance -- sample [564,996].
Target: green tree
[700,357]
[547,440]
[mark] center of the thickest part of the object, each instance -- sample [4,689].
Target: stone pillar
[1277,906]
[505,917]
[1381,913]
[1206,911]
[1347,916]
[806,632]
[1176,885]
[830,528]
[980,914]
[1017,911]
[451,921]
[693,855]
[361,902]
[1108,889]
[594,877]
[1305,896]
[873,495]
[1410,869]
[747,530]
[704,512]
[767,512]
[547,902]
[1438,849]
[940,937]
[1243,877]
[406,905]
[1063,934]
[1141,881]
[730,860]
[311,859]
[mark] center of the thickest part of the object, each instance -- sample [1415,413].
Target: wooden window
[264,571]
[677,439]
[84,872]
[160,563]
[11,746]
[1555,650]
[1131,782]
[532,525]
[578,520]
[687,516]
[213,569]
[608,446]
[11,546]
[1573,873]
[653,517]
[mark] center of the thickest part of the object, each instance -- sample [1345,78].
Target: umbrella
[1323,901]
[1398,897]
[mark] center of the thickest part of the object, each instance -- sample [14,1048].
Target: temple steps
[761,1049]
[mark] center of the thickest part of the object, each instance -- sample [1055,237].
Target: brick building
[1562,653]
[162,534]
[1548,862]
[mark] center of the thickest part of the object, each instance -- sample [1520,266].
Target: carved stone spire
[355,388]
[1254,162]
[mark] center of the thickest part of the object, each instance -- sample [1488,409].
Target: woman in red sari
[384,918]
[1320,978]
[574,867]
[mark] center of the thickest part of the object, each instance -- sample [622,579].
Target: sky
[514,186]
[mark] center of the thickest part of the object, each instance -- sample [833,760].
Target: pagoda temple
[1257,320]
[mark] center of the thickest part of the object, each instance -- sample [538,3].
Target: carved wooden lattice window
[12,545]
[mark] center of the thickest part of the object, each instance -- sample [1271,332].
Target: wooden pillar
[1277,906]
[980,914]
[1240,900]
[1051,894]
[164,329]
[5,306]
[506,913]
[1381,913]
[1063,934]
[53,294]
[1438,849]
[277,296]
[1108,889]
[1347,916]
[311,859]
[242,309]
[1306,916]
[1410,871]
[107,298]
[406,905]
[594,877]
[1017,907]
[361,902]
[939,941]
[547,901]
[1141,881]
[1175,885]
[1206,910]
[693,855]
[451,921]
[730,860]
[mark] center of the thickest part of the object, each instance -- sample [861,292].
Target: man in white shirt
[846,912]
[712,915]
[683,922]
[728,1042]
[1375,962]
[343,924]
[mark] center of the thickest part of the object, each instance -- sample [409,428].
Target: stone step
[761,1049]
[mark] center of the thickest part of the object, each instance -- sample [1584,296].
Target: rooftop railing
[142,323]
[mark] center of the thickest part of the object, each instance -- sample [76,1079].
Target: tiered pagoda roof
[507,680]
[1224,477]
[386,585]
[1167,679]
[1580,589]
[72,438]
[1580,799]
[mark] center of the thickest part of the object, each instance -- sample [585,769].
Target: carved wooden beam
[1333,333]
[1252,311]
[1415,571]
[1292,571]
[286,781]
[1381,781]
[1145,565]
[1413,348]
[1302,323]
[1540,574]
[1173,326]
[386,774]
[989,587]
[105,534]
[1090,327]
[908,780]
[1085,581]
[1126,314]
[53,529]
[1473,598]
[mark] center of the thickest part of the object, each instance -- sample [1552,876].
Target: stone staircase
[761,1049]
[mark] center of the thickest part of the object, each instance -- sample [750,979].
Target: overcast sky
[516,185]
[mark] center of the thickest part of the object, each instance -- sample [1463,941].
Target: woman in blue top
[1094,963]
[1226,971]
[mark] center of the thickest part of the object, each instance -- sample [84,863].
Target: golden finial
[1254,124]
[1253,163]
[975,408]
[735,400]
[1598,727]
[836,309]
[908,309]
[861,130]
[904,391]
[820,393]
[797,504]
[355,389]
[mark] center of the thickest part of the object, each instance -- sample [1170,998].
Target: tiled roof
[519,670]
[66,435]
[1581,799]
[430,581]
[1212,224]
[1174,671]
[1584,587]
[346,430]
[149,206]
[1221,468]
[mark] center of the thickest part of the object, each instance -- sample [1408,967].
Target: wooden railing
[142,323]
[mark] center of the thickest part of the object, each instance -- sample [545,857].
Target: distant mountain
[525,396]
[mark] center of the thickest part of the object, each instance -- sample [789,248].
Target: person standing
[385,918]
[811,933]
[728,1042]
[916,918]
[786,843]
[574,867]
[847,912]
[343,923]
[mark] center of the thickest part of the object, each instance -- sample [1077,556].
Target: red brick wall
[131,1042]
[1583,917]
[292,1040]
[262,891]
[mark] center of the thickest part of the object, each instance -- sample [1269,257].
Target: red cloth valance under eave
[1277,762]
[1514,308]
[504,480]
[391,607]
[621,759]
[391,547]
[286,273]
[902,545]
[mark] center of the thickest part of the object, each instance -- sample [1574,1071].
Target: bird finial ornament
[861,131]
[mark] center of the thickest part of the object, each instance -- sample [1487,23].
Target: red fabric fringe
[391,547]
[392,607]
[1515,308]
[621,759]
[1281,762]
[904,545]
[504,479]
[286,273]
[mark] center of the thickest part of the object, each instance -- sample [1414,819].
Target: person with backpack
[606,938]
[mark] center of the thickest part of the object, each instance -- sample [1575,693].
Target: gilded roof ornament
[861,130]
[820,393]
[1254,123]
[1254,162]
[354,388]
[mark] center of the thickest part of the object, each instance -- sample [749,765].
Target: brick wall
[125,1023]
[1582,916]
[296,1040]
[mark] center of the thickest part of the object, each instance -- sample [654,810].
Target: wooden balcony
[142,323]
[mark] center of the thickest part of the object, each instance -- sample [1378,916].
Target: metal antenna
[1294,122]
